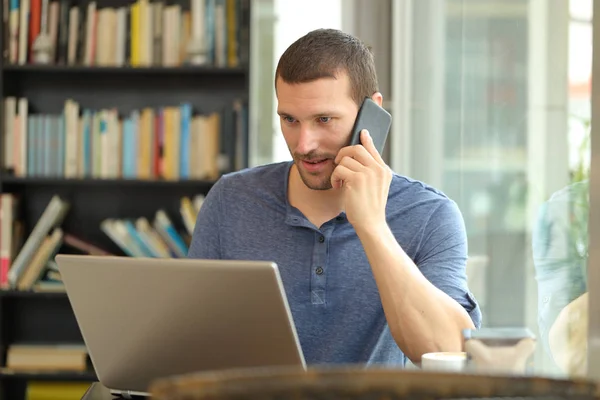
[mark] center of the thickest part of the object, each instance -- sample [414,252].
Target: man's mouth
[315,165]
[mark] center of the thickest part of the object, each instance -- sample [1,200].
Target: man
[373,263]
[560,254]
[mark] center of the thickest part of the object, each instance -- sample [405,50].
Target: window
[491,104]
[277,24]
[499,113]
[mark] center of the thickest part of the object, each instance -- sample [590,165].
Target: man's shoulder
[415,207]
[264,183]
[409,192]
[574,193]
[268,176]
[569,205]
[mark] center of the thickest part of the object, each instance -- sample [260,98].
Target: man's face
[316,120]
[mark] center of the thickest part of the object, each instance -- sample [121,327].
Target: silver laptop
[148,318]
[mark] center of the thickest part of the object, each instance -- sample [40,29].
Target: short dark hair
[324,53]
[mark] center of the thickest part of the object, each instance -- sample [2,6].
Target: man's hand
[365,180]
[568,338]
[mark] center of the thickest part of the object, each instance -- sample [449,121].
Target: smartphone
[376,120]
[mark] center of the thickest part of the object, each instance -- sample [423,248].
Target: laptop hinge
[128,394]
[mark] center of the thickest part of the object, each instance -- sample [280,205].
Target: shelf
[76,69]
[31,294]
[46,181]
[48,376]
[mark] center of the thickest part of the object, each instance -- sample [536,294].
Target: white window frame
[593,352]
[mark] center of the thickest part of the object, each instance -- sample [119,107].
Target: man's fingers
[369,145]
[340,175]
[351,163]
[357,152]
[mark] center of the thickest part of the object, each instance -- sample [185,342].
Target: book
[140,34]
[175,142]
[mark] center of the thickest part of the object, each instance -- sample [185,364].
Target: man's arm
[423,317]
[568,338]
[421,304]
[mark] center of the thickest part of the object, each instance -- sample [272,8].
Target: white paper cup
[444,361]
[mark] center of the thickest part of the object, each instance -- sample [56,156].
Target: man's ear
[377,97]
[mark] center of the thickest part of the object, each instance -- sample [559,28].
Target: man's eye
[288,119]
[324,119]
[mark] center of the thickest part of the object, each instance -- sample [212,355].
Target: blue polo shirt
[328,281]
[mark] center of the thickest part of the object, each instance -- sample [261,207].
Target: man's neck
[325,203]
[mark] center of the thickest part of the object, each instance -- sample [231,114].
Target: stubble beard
[313,181]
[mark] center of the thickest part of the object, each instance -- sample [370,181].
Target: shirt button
[321,239]
[319,271]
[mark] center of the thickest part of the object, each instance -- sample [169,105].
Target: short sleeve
[559,246]
[442,256]
[206,240]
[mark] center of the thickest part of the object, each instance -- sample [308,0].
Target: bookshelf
[10,181]
[119,125]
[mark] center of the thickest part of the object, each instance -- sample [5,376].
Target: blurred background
[111,141]
[491,104]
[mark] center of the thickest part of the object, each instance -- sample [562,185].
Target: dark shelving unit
[15,383]
[47,317]
[32,317]
[12,181]
[50,376]
[27,294]
[157,70]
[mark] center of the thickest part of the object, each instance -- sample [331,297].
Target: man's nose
[307,140]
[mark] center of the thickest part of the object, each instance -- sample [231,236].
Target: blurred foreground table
[360,383]
[355,384]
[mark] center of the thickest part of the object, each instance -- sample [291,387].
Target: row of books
[144,33]
[28,263]
[173,142]
[24,259]
[140,238]
[47,357]
[52,358]
[59,389]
